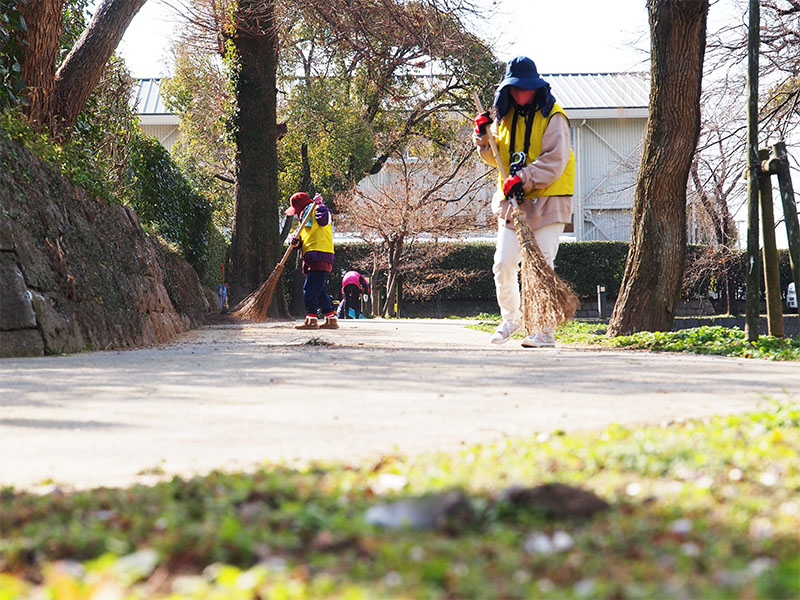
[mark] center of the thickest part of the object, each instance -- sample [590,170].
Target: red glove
[512,185]
[482,121]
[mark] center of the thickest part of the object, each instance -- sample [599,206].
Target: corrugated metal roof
[148,98]
[572,91]
[600,90]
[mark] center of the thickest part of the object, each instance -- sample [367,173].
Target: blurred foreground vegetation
[698,509]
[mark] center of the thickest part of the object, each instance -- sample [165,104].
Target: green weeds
[708,339]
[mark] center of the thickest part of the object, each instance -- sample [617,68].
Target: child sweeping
[353,286]
[316,241]
[533,138]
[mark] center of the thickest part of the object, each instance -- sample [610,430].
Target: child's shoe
[504,332]
[331,322]
[309,323]
[545,339]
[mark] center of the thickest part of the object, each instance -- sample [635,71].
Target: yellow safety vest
[317,237]
[564,185]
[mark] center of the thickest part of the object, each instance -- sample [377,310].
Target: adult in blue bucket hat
[532,135]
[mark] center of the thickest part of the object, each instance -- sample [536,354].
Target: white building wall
[607,153]
[166,134]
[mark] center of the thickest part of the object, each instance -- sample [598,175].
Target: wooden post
[376,298]
[772,278]
[398,297]
[753,168]
[779,165]
[601,302]
[365,300]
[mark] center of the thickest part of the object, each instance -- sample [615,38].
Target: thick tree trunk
[81,70]
[44,19]
[255,247]
[651,284]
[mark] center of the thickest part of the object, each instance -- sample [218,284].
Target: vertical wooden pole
[779,164]
[376,300]
[753,168]
[772,279]
[398,299]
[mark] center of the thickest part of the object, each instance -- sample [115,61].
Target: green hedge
[165,201]
[585,265]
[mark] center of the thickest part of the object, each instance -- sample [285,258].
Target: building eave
[637,112]
[158,119]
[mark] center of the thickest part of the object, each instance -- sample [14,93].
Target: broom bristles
[256,306]
[547,300]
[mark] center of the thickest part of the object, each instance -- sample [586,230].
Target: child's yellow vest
[564,185]
[317,238]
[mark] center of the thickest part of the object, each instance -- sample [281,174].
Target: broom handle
[493,144]
[296,233]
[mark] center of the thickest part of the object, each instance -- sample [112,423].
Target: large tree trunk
[81,70]
[57,97]
[651,284]
[255,247]
[44,19]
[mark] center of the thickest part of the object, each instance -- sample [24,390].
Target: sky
[570,36]
[608,38]
[145,45]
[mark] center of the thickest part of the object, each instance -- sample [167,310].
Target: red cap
[298,202]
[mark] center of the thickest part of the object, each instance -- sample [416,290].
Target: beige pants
[507,257]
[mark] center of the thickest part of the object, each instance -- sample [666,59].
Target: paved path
[230,396]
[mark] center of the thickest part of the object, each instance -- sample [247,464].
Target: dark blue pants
[315,294]
[351,299]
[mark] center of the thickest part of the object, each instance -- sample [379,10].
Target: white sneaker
[504,332]
[539,340]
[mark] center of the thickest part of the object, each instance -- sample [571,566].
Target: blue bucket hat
[522,73]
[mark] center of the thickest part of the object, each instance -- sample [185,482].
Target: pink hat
[298,202]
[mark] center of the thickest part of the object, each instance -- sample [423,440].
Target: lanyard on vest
[529,115]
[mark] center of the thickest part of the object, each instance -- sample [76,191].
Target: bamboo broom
[256,306]
[547,300]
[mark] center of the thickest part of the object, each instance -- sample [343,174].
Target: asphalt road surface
[235,396]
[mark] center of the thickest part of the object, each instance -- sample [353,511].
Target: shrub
[11,24]
[217,250]
[105,129]
[585,265]
[164,200]
[96,157]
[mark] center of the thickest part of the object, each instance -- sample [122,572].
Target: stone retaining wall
[77,273]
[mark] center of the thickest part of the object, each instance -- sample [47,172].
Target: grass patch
[699,509]
[708,339]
